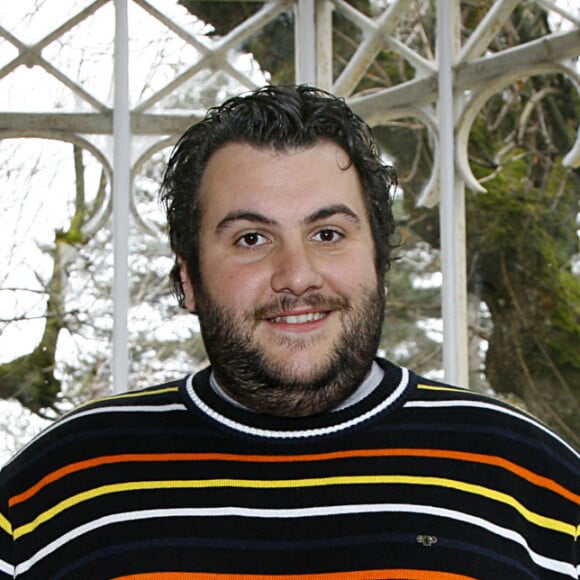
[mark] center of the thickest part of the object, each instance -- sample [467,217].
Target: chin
[296,369]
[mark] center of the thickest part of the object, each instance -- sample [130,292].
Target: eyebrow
[332,210]
[250,216]
[320,214]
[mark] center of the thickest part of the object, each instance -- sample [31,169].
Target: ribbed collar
[390,394]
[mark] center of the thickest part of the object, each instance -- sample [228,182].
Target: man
[297,454]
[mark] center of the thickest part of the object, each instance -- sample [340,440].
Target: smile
[300,318]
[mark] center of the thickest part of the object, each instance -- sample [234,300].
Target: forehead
[240,176]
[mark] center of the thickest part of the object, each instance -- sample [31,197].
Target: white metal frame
[446,95]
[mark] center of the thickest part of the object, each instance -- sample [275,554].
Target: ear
[187,285]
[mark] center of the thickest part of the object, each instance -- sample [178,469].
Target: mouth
[298,318]
[305,315]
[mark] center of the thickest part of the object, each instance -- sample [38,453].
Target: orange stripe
[522,472]
[402,574]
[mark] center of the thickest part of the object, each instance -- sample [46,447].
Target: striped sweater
[419,480]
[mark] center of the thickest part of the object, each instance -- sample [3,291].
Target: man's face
[289,302]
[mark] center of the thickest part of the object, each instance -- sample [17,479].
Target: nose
[295,271]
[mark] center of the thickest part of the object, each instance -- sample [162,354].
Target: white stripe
[494,407]
[543,561]
[6,568]
[317,511]
[297,434]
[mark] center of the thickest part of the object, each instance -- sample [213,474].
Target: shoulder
[490,425]
[157,398]
[104,419]
[141,399]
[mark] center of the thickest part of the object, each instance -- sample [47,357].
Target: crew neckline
[392,391]
[369,384]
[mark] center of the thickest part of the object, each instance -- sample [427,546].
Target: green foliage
[535,238]
[30,379]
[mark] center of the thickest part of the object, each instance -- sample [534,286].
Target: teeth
[300,318]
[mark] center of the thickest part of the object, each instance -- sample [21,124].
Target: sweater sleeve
[6,539]
[577,543]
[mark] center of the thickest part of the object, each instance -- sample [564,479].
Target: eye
[251,240]
[328,236]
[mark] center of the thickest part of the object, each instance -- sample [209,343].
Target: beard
[244,370]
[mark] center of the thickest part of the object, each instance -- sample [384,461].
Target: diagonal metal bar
[178,30]
[65,80]
[243,79]
[369,48]
[211,61]
[71,23]
[25,49]
[218,52]
[468,75]
[60,30]
[487,29]
[554,7]
[30,55]
[550,50]
[23,53]
[249,27]
[369,26]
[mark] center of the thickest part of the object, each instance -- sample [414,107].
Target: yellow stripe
[130,395]
[436,388]
[535,518]
[470,392]
[5,525]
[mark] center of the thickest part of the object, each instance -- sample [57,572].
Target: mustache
[286,303]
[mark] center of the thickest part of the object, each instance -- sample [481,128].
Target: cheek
[237,288]
[355,274]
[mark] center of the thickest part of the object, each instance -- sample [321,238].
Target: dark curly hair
[281,118]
